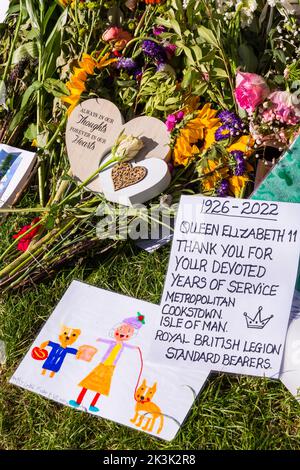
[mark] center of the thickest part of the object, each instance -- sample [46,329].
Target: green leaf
[187,52]
[219,73]
[31,132]
[27,95]
[208,36]
[30,48]
[53,46]
[55,87]
[187,78]
[198,52]
[175,25]
[248,58]
[33,12]
[48,15]
[35,86]
[50,222]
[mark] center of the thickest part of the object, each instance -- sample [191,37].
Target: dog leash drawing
[140,374]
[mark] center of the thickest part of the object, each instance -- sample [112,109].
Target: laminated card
[229,286]
[93,355]
[15,168]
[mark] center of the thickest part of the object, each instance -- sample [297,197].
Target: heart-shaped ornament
[92,130]
[134,183]
[124,174]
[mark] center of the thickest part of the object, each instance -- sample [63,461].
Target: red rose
[24,242]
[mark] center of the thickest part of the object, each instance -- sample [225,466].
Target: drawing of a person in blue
[60,350]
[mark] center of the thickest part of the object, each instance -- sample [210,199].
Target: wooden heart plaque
[124,174]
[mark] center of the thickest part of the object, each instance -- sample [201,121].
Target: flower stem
[12,47]
[41,169]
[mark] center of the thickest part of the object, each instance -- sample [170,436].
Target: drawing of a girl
[99,380]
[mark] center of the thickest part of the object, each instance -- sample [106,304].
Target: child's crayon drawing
[98,362]
[100,378]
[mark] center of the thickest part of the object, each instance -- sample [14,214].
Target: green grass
[230,413]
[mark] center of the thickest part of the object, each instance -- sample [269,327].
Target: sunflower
[212,175]
[77,83]
[243,144]
[197,135]
[215,173]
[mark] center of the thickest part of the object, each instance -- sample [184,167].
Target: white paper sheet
[229,286]
[290,372]
[97,313]
[16,175]
[4,4]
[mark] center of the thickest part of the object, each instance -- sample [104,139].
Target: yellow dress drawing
[99,380]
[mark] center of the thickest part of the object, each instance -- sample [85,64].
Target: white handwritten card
[229,286]
[93,355]
[3,9]
[290,371]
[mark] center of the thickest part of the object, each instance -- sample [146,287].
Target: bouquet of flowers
[223,76]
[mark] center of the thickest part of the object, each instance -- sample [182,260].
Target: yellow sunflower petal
[237,184]
[104,61]
[244,144]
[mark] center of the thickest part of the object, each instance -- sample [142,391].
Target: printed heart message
[93,129]
[124,174]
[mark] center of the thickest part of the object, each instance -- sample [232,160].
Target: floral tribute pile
[224,76]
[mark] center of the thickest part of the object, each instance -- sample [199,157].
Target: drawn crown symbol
[257,321]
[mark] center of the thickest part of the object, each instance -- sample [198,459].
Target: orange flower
[76,84]
[87,64]
[104,61]
[73,100]
[153,2]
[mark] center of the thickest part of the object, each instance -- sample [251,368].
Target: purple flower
[240,164]
[240,168]
[154,51]
[170,49]
[173,119]
[223,132]
[238,155]
[232,120]
[171,122]
[158,30]
[125,63]
[138,73]
[222,190]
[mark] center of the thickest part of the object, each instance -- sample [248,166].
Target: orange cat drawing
[147,412]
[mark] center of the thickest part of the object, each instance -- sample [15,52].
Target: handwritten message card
[229,285]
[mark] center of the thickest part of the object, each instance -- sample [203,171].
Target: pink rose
[116,34]
[285,107]
[251,90]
